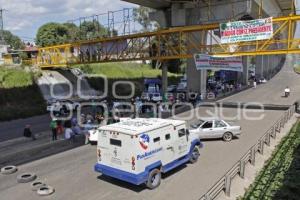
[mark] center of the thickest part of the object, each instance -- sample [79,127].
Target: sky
[24,17]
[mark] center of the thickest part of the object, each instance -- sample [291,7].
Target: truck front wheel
[154,179]
[195,154]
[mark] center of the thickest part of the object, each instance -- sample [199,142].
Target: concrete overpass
[173,13]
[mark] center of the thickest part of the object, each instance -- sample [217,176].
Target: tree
[141,15]
[55,33]
[14,41]
[51,34]
[91,30]
[73,31]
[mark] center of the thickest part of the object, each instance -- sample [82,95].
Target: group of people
[222,88]
[58,129]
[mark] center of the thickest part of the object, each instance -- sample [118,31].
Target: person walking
[254,83]
[53,126]
[59,129]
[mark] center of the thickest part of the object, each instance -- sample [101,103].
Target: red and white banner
[204,61]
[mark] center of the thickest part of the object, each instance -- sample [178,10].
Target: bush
[278,178]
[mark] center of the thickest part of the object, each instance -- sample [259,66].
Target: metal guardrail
[224,183]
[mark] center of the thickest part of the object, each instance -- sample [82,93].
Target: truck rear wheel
[195,154]
[154,179]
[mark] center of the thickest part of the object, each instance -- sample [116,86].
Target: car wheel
[154,179]
[227,136]
[195,154]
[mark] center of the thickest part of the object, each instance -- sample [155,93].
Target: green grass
[280,177]
[20,97]
[123,70]
[12,78]
[297,69]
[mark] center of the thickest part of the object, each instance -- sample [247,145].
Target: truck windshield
[116,142]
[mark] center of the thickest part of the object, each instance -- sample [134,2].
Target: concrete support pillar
[245,74]
[266,70]
[260,65]
[203,80]
[164,69]
[196,79]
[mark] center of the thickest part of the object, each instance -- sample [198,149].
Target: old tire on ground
[154,179]
[9,169]
[195,154]
[26,177]
[227,137]
[45,190]
[37,185]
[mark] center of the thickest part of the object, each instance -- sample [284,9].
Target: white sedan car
[93,133]
[215,128]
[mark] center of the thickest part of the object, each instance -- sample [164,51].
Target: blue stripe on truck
[136,179]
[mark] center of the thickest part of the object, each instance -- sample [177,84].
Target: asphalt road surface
[14,129]
[71,172]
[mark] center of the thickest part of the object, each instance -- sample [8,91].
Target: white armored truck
[139,150]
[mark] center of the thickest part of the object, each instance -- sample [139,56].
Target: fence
[224,183]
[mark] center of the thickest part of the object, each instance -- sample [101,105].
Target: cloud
[25,17]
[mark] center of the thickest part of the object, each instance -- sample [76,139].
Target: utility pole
[1,27]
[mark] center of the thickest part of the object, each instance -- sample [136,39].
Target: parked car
[215,128]
[171,88]
[182,86]
[61,106]
[262,80]
[156,97]
[145,96]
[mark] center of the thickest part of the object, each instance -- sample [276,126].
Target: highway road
[272,92]
[14,129]
[71,172]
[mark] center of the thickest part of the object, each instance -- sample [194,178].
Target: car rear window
[116,142]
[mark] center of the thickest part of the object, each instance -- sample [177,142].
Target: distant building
[4,49]
[25,56]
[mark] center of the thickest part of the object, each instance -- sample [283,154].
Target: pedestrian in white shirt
[69,134]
